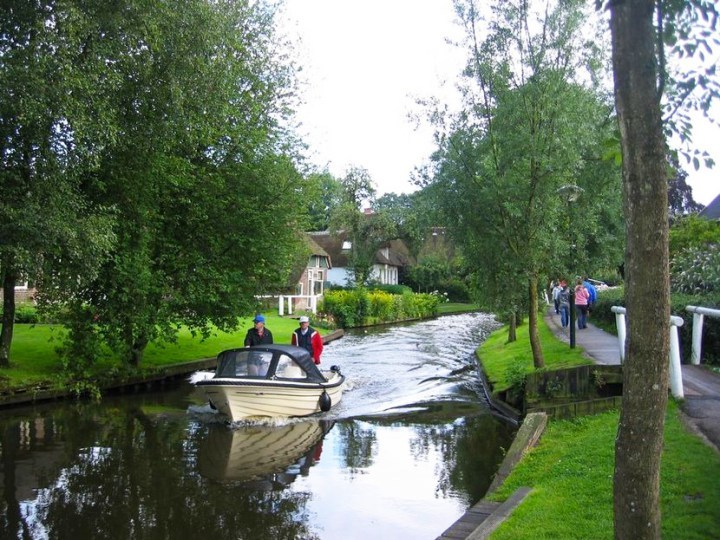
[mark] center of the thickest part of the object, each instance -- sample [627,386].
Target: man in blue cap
[259,335]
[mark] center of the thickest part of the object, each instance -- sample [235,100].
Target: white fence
[676,384]
[310,302]
[698,320]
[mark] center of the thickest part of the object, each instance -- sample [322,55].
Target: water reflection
[403,457]
[265,454]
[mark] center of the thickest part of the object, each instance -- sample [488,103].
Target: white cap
[304,319]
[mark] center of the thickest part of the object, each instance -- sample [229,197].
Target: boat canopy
[268,362]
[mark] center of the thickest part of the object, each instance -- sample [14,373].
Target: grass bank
[35,361]
[455,307]
[570,472]
[505,363]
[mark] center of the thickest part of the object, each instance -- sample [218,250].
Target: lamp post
[571,192]
[571,299]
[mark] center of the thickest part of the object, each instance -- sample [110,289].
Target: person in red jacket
[308,338]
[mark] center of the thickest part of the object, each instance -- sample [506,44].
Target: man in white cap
[308,338]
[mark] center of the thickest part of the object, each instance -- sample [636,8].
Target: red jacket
[310,341]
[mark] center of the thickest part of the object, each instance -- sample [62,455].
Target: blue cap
[259,318]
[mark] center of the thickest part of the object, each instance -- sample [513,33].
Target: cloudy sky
[366,62]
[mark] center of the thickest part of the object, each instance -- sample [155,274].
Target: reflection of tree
[359,443]
[12,519]
[131,476]
[471,449]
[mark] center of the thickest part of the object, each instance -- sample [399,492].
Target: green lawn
[570,473]
[34,359]
[501,359]
[456,307]
[571,469]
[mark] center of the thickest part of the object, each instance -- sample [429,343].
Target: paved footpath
[701,386]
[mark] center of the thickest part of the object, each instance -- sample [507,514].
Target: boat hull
[239,399]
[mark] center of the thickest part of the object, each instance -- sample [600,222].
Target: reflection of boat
[254,452]
[272,380]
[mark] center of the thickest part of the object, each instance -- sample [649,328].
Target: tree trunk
[538,359]
[638,445]
[137,350]
[512,328]
[9,281]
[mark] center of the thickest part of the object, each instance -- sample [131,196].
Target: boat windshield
[288,369]
[244,363]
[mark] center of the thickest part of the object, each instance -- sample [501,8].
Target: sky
[366,62]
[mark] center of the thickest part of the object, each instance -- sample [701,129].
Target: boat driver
[258,335]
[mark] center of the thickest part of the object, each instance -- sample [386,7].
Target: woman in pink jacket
[582,297]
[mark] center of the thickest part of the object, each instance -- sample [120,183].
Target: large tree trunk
[639,441]
[9,281]
[538,359]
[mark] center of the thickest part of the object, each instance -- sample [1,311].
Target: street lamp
[571,193]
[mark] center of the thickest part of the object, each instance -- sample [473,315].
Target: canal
[408,449]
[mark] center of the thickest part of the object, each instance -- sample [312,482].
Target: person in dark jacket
[308,338]
[258,335]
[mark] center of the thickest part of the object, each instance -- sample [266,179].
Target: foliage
[361,307]
[53,123]
[531,129]
[366,232]
[696,270]
[393,289]
[570,473]
[201,178]
[323,194]
[693,232]
[680,198]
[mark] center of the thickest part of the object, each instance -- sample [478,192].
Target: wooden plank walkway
[483,518]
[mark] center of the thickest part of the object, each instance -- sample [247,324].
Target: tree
[529,127]
[640,78]
[199,172]
[366,231]
[52,123]
[323,194]
[680,197]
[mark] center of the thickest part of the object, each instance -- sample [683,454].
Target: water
[409,448]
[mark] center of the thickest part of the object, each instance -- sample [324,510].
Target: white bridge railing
[676,384]
[698,319]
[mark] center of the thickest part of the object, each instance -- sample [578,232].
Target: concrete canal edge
[35,394]
[485,516]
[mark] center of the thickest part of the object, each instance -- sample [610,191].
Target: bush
[25,314]
[456,289]
[696,270]
[393,289]
[358,307]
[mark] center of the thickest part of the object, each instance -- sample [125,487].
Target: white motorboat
[271,381]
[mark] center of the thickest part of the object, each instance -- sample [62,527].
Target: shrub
[696,270]
[393,289]
[456,289]
[359,307]
[26,314]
